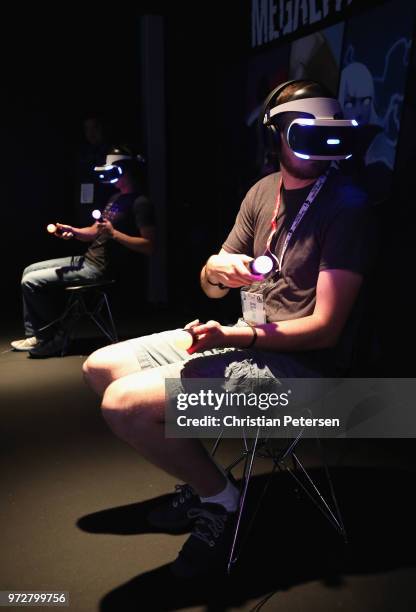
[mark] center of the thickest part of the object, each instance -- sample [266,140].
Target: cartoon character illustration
[376,102]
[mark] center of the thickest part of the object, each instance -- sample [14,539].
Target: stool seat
[87,286]
[88,300]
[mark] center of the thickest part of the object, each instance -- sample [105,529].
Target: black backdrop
[61,64]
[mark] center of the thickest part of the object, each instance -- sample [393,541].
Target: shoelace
[183,493]
[214,524]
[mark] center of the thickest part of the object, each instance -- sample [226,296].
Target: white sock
[228,497]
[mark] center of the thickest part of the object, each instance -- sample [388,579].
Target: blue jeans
[39,307]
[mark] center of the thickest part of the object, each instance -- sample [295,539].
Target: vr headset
[319,136]
[111,172]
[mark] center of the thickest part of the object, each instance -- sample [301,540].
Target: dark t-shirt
[127,213]
[337,232]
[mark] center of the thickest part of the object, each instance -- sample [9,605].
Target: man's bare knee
[97,363]
[122,408]
[109,364]
[134,403]
[98,371]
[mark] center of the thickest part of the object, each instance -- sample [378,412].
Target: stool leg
[110,316]
[217,443]
[74,311]
[107,327]
[248,468]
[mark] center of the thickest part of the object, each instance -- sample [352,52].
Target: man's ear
[273,139]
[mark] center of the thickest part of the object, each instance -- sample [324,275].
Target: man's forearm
[210,289]
[134,243]
[304,334]
[85,234]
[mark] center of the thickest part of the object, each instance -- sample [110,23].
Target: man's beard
[306,170]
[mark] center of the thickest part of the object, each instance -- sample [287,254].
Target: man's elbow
[328,342]
[212,292]
[327,333]
[329,337]
[150,247]
[214,296]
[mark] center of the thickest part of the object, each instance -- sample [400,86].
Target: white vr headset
[320,137]
[111,172]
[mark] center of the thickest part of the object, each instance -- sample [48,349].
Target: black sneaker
[172,515]
[49,347]
[208,548]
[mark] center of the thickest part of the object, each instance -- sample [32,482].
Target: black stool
[283,459]
[88,300]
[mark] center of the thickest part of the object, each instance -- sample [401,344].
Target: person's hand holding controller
[230,270]
[60,230]
[105,228]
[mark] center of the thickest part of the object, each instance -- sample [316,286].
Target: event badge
[252,305]
[87,193]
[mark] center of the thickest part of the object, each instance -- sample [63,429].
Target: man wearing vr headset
[311,223]
[126,223]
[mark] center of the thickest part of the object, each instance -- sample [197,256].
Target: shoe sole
[44,356]
[22,350]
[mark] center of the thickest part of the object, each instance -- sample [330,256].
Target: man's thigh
[159,349]
[139,354]
[160,362]
[60,272]
[239,367]
[142,391]
[48,263]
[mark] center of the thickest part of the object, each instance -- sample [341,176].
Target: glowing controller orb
[96,214]
[183,340]
[51,228]
[261,265]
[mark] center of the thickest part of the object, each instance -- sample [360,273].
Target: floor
[74,501]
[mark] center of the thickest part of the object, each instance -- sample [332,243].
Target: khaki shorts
[158,350]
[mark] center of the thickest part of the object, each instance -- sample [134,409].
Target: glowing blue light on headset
[111,172]
[319,141]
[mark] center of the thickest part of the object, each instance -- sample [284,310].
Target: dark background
[60,64]
[74,498]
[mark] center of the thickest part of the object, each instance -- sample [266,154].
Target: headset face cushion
[108,174]
[320,141]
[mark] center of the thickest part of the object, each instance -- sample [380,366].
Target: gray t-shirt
[127,213]
[337,232]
